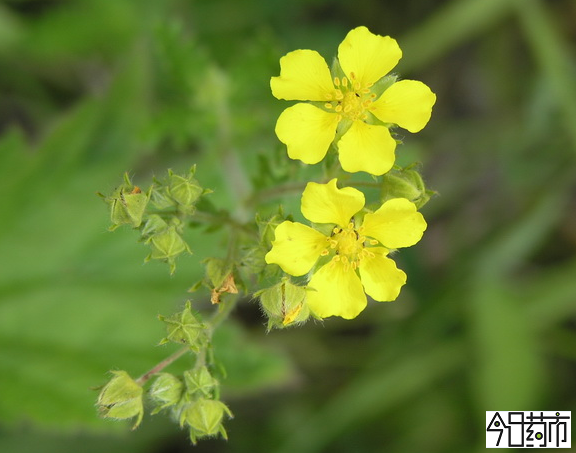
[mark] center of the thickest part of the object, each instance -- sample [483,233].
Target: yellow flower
[356,254]
[348,104]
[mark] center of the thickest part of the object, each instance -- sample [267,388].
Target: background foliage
[90,89]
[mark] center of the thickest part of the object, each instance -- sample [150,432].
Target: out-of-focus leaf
[250,366]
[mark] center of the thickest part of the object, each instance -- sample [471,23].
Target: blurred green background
[92,88]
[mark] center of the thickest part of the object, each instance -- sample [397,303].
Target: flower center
[350,99]
[348,244]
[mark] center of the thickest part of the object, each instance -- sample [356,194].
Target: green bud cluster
[192,398]
[160,213]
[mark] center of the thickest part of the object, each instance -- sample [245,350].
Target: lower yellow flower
[357,253]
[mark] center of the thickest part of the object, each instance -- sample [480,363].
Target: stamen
[344,82]
[336,230]
[347,108]
[336,82]
[339,108]
[352,75]
[324,252]
[338,95]
[356,86]
[373,242]
[365,91]
[351,225]
[328,105]
[354,265]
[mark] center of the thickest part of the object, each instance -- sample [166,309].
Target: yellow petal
[307,131]
[335,290]
[304,76]
[381,278]
[407,103]
[296,248]
[368,56]
[325,203]
[396,224]
[366,147]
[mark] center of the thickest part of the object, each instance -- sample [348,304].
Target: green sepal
[204,418]
[154,224]
[121,398]
[267,227]
[216,271]
[405,183]
[284,304]
[199,382]
[166,391]
[336,70]
[185,327]
[159,196]
[383,84]
[166,246]
[127,204]
[184,190]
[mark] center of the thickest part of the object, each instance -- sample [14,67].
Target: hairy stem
[160,366]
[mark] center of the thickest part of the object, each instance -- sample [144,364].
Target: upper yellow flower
[356,253]
[348,103]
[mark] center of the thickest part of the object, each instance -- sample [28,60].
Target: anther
[344,82]
[324,252]
[328,105]
[336,82]
[373,242]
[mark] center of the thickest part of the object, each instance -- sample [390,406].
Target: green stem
[160,366]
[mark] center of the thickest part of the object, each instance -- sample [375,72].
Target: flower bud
[185,191]
[200,382]
[405,183]
[166,246]
[127,204]
[284,304]
[166,390]
[204,417]
[121,398]
[184,327]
